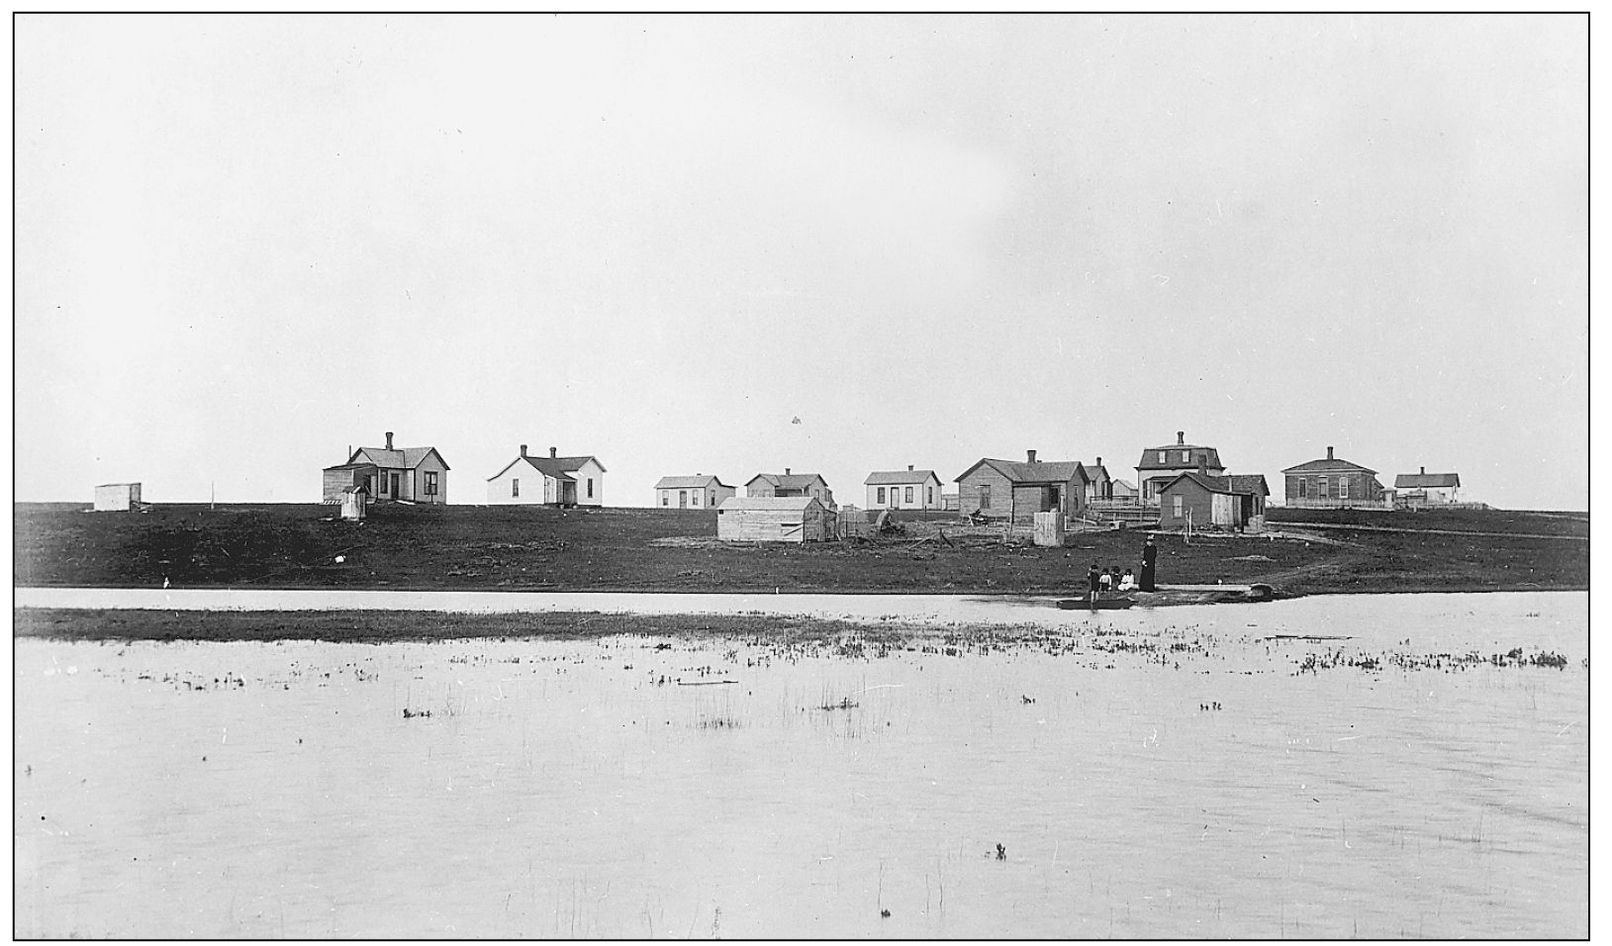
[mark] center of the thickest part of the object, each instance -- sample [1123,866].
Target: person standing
[1150,552]
[1092,578]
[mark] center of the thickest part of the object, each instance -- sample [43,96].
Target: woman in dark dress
[1149,553]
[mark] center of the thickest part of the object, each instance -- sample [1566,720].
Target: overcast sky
[246,243]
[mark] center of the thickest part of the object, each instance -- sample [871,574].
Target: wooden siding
[772,525]
[536,488]
[415,482]
[709,497]
[968,501]
[925,495]
[582,474]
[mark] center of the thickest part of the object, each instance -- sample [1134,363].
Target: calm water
[564,788]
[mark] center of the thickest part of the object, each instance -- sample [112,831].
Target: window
[1178,507]
[1343,487]
[1186,456]
[985,497]
[908,497]
[590,487]
[1161,456]
[515,487]
[881,496]
[696,496]
[430,482]
[929,495]
[666,497]
[1304,488]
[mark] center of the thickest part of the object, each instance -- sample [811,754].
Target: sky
[733,245]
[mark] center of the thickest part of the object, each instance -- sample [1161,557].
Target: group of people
[1100,581]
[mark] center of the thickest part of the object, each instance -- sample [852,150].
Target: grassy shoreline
[469,548]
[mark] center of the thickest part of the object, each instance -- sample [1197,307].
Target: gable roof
[1042,471]
[689,482]
[788,480]
[1329,466]
[406,458]
[769,503]
[900,477]
[1093,469]
[557,468]
[1245,485]
[1425,480]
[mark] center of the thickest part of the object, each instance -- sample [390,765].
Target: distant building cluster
[1178,486]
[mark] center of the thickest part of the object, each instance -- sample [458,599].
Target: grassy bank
[539,549]
[377,627]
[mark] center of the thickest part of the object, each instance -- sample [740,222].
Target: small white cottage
[691,492]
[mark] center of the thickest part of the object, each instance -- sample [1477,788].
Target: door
[397,481]
[682,499]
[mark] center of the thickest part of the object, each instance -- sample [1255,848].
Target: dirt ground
[541,549]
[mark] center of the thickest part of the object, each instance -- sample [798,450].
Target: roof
[351,466]
[1018,471]
[1172,457]
[1425,480]
[789,480]
[1092,469]
[558,468]
[1247,484]
[1329,466]
[1125,484]
[406,458]
[687,482]
[768,503]
[898,477]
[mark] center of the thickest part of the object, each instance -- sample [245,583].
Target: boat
[1100,604]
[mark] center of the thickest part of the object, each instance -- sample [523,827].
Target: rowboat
[1097,604]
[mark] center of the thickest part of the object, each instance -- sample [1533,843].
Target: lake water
[619,788]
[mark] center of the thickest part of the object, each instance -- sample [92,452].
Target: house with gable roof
[548,481]
[789,484]
[1017,490]
[903,489]
[1331,483]
[691,492]
[406,474]
[1426,489]
[1202,500]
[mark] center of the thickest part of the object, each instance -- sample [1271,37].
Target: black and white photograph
[629,476]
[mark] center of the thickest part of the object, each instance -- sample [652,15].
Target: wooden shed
[772,519]
[117,497]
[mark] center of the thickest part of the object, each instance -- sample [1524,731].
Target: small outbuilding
[773,519]
[117,497]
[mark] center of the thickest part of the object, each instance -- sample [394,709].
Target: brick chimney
[1424,471]
[388,440]
[1031,454]
[523,451]
[554,453]
[1329,453]
[1099,461]
[1180,438]
[786,471]
[909,468]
